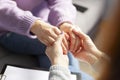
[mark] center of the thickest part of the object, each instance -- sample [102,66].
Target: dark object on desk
[81,8]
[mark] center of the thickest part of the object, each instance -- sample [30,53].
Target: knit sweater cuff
[26,23]
[62,20]
[60,68]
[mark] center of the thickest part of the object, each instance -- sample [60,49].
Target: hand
[73,41]
[45,32]
[88,50]
[55,53]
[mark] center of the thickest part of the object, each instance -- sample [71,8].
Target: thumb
[60,38]
[81,35]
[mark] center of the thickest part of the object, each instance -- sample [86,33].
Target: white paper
[17,73]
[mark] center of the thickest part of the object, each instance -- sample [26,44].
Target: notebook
[21,73]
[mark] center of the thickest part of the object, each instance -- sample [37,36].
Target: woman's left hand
[74,41]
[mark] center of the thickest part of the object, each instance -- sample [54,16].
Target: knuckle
[47,44]
[54,28]
[53,43]
[87,36]
[48,31]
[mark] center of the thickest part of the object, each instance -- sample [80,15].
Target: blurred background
[106,33]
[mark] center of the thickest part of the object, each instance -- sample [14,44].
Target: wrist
[98,53]
[36,26]
[105,57]
[60,62]
[64,24]
[102,58]
[101,62]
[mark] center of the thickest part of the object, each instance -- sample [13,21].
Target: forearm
[102,61]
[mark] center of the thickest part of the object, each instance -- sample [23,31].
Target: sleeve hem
[59,68]
[61,20]
[26,24]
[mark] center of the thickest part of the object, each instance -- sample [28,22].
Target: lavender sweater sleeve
[15,19]
[61,11]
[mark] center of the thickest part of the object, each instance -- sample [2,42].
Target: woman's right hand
[45,32]
[55,53]
[88,51]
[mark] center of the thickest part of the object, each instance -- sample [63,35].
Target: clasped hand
[80,44]
[73,40]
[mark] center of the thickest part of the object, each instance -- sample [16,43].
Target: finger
[65,42]
[79,33]
[57,31]
[83,36]
[72,41]
[79,50]
[53,32]
[53,35]
[64,49]
[60,38]
[66,36]
[45,42]
[86,39]
[77,44]
[50,40]
[79,47]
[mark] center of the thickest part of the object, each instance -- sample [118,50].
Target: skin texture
[45,32]
[87,51]
[55,53]
[73,40]
[70,40]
